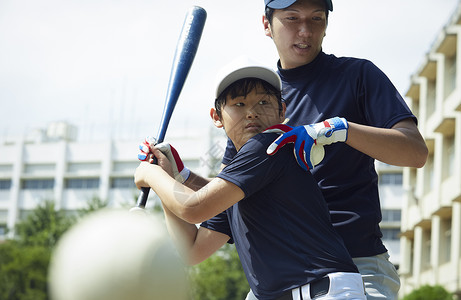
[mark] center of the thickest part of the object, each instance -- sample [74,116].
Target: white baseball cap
[244,67]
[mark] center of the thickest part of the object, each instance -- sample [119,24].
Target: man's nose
[305,29]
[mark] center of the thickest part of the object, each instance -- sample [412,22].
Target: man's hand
[331,131]
[308,152]
[180,172]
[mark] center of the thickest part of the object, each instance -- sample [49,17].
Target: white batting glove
[180,172]
[331,131]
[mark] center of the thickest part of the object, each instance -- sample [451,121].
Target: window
[37,184]
[123,183]
[390,233]
[82,183]
[390,179]
[5,184]
[391,215]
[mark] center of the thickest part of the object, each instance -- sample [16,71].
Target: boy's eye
[239,104]
[263,101]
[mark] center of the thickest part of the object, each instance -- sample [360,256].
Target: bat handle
[142,198]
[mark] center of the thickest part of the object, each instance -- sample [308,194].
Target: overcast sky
[106,63]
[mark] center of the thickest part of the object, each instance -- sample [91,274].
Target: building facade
[51,165]
[431,214]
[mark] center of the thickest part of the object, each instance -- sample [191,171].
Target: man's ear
[267,27]
[216,119]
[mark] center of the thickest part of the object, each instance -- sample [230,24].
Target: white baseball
[117,255]
[317,154]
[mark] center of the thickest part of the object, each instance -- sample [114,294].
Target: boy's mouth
[253,126]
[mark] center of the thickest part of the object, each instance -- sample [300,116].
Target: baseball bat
[186,48]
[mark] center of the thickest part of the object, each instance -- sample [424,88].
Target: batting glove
[307,151]
[180,172]
[146,148]
[331,131]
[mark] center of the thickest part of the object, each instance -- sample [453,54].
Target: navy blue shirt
[358,91]
[282,228]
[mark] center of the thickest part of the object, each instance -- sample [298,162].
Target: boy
[267,205]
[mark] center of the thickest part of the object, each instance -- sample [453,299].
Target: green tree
[24,260]
[44,226]
[220,277]
[428,292]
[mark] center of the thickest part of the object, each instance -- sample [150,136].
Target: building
[51,165]
[431,214]
[391,194]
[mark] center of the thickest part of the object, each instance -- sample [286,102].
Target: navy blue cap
[281,4]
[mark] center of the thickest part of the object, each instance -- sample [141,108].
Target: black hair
[243,87]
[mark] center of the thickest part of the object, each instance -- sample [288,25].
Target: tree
[24,261]
[427,292]
[44,226]
[220,277]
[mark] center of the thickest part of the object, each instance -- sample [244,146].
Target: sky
[104,65]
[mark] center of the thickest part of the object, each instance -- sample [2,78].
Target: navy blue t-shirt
[282,228]
[358,91]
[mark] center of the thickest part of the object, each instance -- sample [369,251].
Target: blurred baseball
[117,255]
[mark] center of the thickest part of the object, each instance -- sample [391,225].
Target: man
[317,87]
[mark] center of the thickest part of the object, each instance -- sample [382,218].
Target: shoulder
[260,141]
[348,62]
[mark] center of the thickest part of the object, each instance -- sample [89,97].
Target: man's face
[298,32]
[245,117]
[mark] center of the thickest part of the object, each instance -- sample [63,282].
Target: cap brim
[251,71]
[281,4]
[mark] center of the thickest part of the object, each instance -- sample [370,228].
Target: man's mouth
[302,46]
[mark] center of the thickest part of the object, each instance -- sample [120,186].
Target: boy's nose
[252,114]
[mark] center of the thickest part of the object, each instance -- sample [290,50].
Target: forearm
[401,145]
[196,182]
[175,196]
[182,233]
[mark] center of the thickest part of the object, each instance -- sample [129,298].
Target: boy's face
[244,117]
[298,32]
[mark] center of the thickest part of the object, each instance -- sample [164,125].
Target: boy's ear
[282,113]
[216,119]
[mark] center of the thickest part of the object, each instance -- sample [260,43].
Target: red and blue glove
[309,140]
[307,152]
[180,172]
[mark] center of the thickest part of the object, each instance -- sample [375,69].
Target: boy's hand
[308,152]
[145,148]
[180,172]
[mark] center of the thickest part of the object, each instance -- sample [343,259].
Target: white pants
[347,286]
[379,275]
[342,286]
